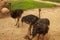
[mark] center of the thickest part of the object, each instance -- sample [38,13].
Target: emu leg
[47,36]
[29,32]
[42,37]
[17,23]
[38,36]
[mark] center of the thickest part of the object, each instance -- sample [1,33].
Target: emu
[29,19]
[16,14]
[40,27]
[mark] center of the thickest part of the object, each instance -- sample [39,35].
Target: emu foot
[27,37]
[16,25]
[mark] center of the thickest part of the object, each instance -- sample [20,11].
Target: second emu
[29,19]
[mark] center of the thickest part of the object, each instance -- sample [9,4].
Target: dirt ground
[10,32]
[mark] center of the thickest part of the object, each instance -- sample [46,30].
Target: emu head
[24,20]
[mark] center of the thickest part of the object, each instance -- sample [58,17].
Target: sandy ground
[10,32]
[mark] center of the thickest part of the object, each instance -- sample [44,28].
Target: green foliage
[55,0]
[29,5]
